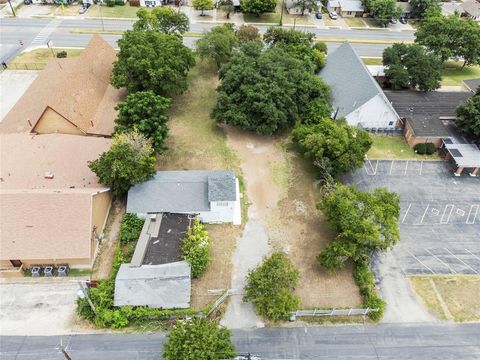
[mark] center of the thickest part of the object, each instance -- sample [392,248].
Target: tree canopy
[227,7]
[198,339]
[310,5]
[203,5]
[468,116]
[270,287]
[248,33]
[451,36]
[420,7]
[276,35]
[218,44]
[384,10]
[257,7]
[162,19]
[411,66]
[340,147]
[147,113]
[130,160]
[149,60]
[364,222]
[266,90]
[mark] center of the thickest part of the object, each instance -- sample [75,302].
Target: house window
[390,123]
[349,13]
[222,203]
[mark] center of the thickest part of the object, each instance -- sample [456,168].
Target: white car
[333,15]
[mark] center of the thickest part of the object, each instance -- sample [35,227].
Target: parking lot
[439,218]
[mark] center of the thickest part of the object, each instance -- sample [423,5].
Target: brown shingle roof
[78,88]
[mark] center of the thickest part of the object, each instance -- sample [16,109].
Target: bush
[363,277]
[196,248]
[119,2]
[425,148]
[110,3]
[321,46]
[431,149]
[130,228]
[61,54]
[270,287]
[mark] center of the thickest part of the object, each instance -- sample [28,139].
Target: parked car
[403,20]
[82,10]
[333,15]
[27,2]
[318,15]
[393,21]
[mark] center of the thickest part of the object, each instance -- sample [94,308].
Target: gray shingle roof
[472,84]
[181,191]
[351,83]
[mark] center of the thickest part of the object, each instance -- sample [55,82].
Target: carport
[465,156]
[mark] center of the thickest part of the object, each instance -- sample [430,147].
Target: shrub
[321,46]
[110,3]
[430,148]
[61,54]
[130,228]
[424,148]
[196,248]
[119,2]
[363,277]
[270,287]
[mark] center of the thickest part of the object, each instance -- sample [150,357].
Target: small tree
[202,5]
[384,10]
[130,160]
[218,44]
[270,287]
[257,7]
[196,248]
[149,60]
[419,7]
[364,222]
[227,7]
[468,116]
[162,19]
[198,339]
[147,113]
[310,5]
[276,35]
[130,228]
[248,33]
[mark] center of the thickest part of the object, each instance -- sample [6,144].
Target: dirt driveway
[43,307]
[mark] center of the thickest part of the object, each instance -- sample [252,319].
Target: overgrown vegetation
[468,116]
[365,280]
[198,339]
[196,248]
[130,228]
[270,287]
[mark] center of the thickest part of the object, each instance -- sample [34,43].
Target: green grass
[394,148]
[372,23]
[453,75]
[354,22]
[38,58]
[69,10]
[125,11]
[372,61]
[271,17]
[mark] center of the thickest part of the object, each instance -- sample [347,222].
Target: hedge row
[425,148]
[363,277]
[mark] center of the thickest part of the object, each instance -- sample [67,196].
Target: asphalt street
[426,341]
[30,31]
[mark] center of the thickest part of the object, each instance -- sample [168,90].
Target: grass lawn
[458,294]
[372,61]
[372,23]
[354,22]
[296,19]
[328,21]
[125,11]
[453,75]
[394,148]
[38,58]
[69,10]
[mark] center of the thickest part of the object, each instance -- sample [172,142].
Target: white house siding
[375,113]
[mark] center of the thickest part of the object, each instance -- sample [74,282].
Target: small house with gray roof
[356,96]
[213,196]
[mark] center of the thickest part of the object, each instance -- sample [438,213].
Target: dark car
[403,20]
[27,2]
[318,15]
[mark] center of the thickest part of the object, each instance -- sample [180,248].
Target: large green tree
[420,7]
[149,60]
[227,7]
[468,116]
[340,147]
[270,287]
[451,36]
[364,221]
[384,10]
[163,19]
[276,35]
[412,66]
[198,339]
[257,7]
[266,90]
[202,5]
[147,113]
[218,44]
[130,160]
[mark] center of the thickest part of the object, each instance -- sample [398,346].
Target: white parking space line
[433,272]
[421,167]
[436,257]
[471,222]
[463,262]
[376,167]
[425,212]
[406,212]
[442,221]
[406,167]
[472,254]
[391,167]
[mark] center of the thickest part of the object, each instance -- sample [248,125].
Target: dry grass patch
[38,58]
[458,293]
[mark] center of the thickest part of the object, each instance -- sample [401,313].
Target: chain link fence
[330,312]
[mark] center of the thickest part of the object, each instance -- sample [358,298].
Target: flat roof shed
[464,156]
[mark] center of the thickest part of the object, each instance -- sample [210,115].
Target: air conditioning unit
[48,271]
[36,270]
[63,270]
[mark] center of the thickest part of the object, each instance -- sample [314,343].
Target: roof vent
[48,175]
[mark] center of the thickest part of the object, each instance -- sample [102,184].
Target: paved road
[448,341]
[36,32]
